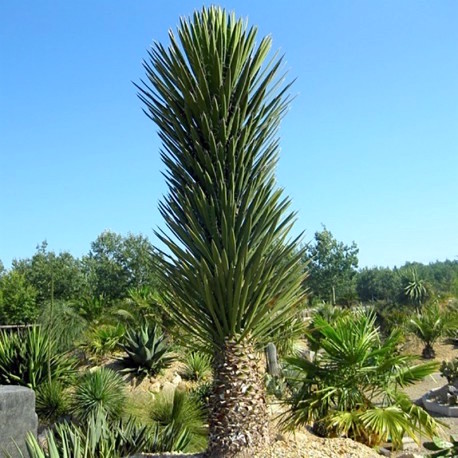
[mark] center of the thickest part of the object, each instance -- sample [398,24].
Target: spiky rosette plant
[231,272]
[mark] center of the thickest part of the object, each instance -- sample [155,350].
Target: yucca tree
[232,273]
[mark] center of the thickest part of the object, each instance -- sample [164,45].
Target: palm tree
[416,289]
[232,273]
[429,326]
[354,385]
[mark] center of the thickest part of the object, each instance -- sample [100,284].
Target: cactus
[442,447]
[273,367]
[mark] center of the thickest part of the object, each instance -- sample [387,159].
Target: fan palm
[429,325]
[354,386]
[232,273]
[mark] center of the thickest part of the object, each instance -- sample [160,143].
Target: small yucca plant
[179,415]
[197,367]
[148,351]
[31,357]
[52,401]
[99,392]
[97,438]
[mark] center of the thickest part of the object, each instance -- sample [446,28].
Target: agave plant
[101,391]
[31,357]
[231,275]
[354,385]
[148,351]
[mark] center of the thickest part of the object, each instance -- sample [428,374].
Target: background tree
[332,267]
[218,102]
[116,263]
[18,299]
[47,271]
[379,284]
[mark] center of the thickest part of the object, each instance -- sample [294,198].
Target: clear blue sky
[369,147]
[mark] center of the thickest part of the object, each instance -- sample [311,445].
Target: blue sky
[369,147]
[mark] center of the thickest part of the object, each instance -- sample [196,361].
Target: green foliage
[91,308]
[379,284]
[60,320]
[148,350]
[352,386]
[217,103]
[97,438]
[52,401]
[416,289]
[59,275]
[116,263]
[178,413]
[104,340]
[99,392]
[429,325]
[332,267]
[442,447]
[393,317]
[197,367]
[31,357]
[17,299]
[449,370]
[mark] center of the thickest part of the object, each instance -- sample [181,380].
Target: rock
[17,419]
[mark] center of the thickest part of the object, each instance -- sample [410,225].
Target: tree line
[117,265]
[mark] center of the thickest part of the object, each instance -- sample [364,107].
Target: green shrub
[179,415]
[31,357]
[197,367]
[99,392]
[352,387]
[147,351]
[104,340]
[52,401]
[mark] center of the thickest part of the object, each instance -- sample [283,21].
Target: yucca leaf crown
[231,270]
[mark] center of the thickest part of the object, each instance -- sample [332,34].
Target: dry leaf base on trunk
[239,422]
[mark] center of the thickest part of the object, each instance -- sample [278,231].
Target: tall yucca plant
[232,274]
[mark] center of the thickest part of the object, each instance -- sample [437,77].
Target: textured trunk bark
[239,420]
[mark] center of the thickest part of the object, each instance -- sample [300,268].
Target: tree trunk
[428,352]
[239,417]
